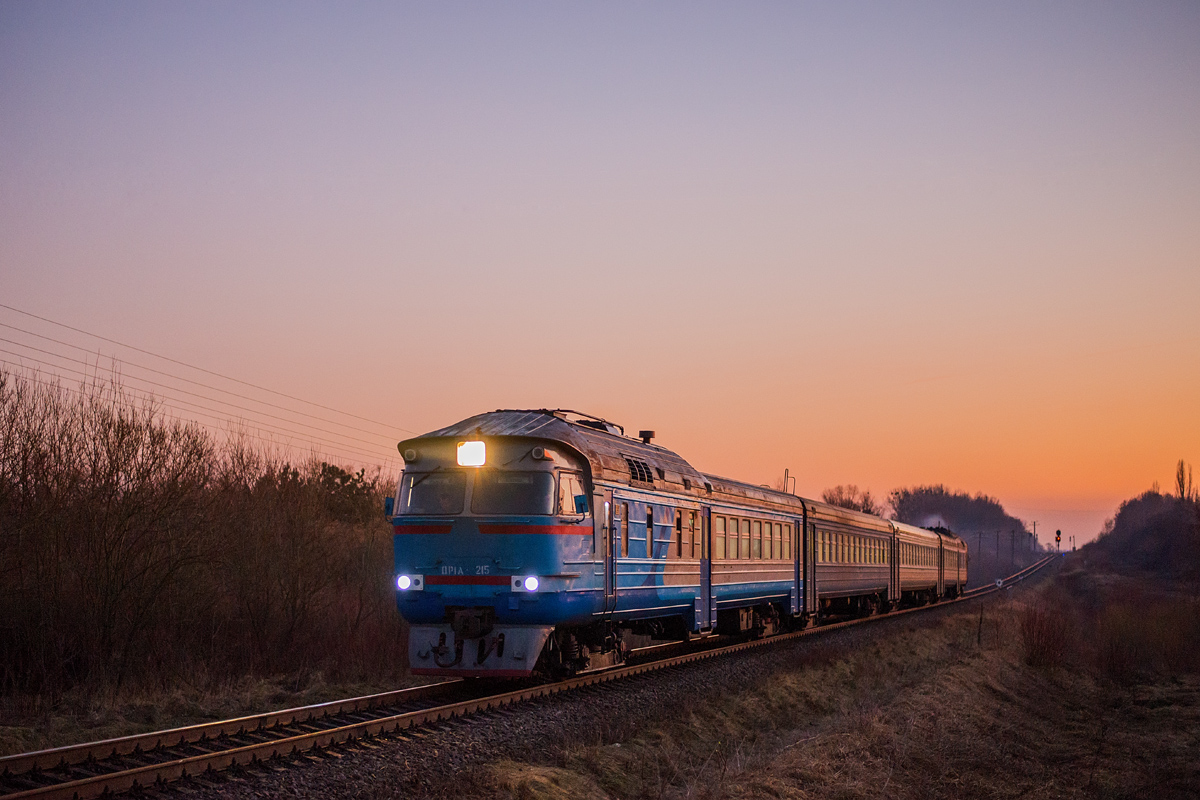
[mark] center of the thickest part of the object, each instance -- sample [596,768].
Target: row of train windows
[915,555]
[686,540]
[734,537]
[845,548]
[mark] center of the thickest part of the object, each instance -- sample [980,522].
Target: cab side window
[718,525]
[571,498]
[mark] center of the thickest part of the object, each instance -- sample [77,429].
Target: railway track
[154,760]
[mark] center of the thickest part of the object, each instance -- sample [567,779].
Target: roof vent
[639,470]
[646,436]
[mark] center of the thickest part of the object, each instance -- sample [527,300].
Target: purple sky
[876,244]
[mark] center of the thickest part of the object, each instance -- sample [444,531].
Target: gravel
[431,762]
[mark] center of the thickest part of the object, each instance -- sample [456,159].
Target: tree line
[138,550]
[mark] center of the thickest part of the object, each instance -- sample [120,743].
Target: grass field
[945,706]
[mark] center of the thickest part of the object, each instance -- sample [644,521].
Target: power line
[186,380]
[199,369]
[224,415]
[344,452]
[173,388]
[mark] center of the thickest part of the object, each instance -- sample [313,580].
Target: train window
[719,537]
[435,492]
[678,533]
[756,540]
[693,545]
[571,499]
[821,547]
[777,550]
[745,524]
[500,492]
[623,510]
[649,531]
[787,541]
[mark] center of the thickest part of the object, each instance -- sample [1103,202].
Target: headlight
[526,583]
[472,454]
[407,583]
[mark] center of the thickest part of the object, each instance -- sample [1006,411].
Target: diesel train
[549,542]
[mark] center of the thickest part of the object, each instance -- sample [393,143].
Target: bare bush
[1045,635]
[133,548]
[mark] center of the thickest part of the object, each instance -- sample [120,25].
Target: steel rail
[174,769]
[69,755]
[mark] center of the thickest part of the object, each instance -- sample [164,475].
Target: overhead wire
[188,380]
[198,369]
[362,457]
[174,389]
[215,413]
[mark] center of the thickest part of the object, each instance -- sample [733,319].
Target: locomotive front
[493,549]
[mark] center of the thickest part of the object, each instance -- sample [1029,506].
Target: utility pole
[1034,523]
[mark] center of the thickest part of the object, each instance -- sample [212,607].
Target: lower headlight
[406,583]
[526,583]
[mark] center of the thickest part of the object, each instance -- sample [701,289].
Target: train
[548,542]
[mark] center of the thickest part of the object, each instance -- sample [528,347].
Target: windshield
[434,493]
[498,492]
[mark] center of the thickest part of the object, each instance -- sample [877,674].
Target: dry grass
[141,558]
[80,716]
[921,711]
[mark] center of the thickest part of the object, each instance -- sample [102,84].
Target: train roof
[611,454]
[615,457]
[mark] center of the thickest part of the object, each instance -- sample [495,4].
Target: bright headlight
[472,454]
[531,583]
[403,582]
[410,583]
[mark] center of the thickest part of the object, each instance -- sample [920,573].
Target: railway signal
[1057,538]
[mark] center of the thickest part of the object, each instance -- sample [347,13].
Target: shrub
[135,548]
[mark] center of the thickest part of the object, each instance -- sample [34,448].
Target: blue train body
[550,541]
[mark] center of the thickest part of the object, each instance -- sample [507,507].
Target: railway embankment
[954,705]
[949,704]
[959,703]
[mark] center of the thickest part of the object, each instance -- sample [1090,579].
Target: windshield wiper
[421,479]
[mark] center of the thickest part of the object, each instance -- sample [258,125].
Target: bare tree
[850,497]
[1183,480]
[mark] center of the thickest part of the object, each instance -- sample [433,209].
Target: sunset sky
[880,244]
